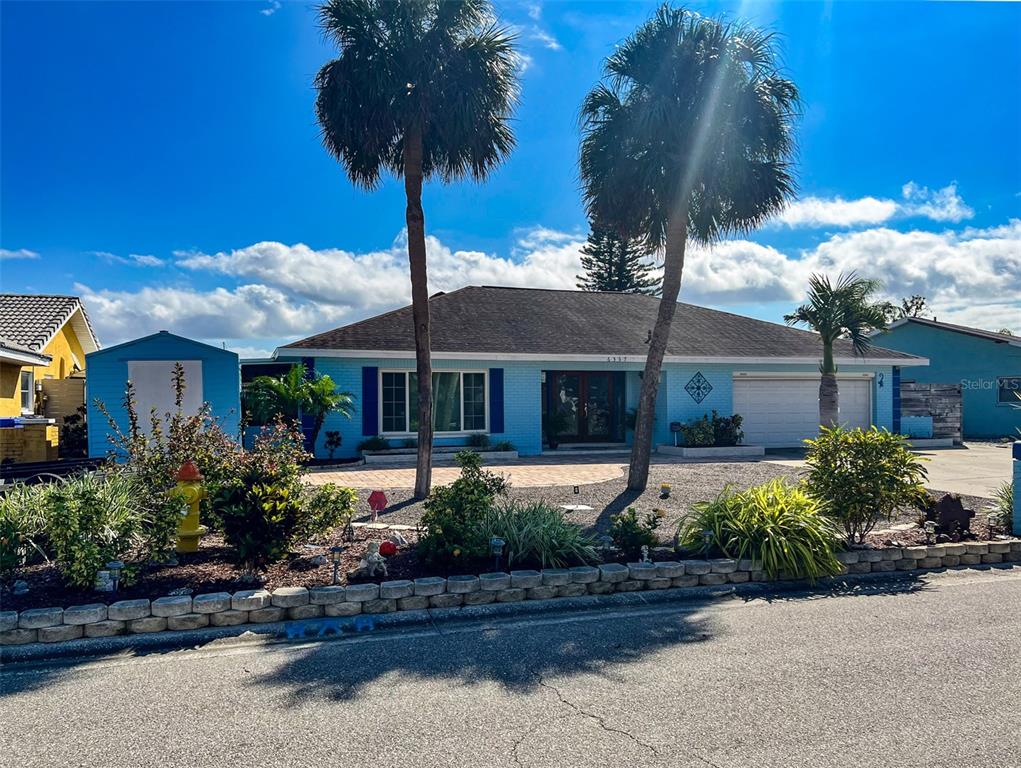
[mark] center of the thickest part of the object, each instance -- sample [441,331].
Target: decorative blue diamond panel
[698,387]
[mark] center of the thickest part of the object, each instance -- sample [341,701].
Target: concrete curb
[336,628]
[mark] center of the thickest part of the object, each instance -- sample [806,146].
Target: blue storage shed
[212,375]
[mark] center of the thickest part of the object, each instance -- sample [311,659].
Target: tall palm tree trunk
[641,449]
[415,219]
[829,402]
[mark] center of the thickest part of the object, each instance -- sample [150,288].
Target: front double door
[588,401]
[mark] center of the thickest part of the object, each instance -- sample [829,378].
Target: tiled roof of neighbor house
[32,320]
[1001,338]
[532,321]
[21,352]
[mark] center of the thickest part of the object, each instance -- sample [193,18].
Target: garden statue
[372,564]
[645,553]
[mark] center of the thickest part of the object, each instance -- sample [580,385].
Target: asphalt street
[921,671]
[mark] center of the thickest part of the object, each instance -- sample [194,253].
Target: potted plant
[553,424]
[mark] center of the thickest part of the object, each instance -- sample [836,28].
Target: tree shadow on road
[517,655]
[889,585]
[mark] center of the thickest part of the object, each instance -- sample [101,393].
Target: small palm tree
[689,136]
[295,394]
[423,89]
[845,310]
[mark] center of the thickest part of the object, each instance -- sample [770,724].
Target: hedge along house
[504,358]
[986,366]
[212,375]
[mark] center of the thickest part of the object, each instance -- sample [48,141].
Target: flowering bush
[630,534]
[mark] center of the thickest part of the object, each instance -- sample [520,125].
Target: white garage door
[780,413]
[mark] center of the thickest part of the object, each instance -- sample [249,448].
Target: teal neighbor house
[986,365]
[505,358]
[212,375]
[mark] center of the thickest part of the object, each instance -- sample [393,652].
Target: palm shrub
[539,534]
[1003,506]
[689,136]
[454,513]
[862,476]
[92,519]
[776,524]
[22,525]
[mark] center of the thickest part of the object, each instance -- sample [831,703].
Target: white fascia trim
[746,375]
[540,357]
[24,358]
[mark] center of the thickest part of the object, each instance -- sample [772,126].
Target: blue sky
[162,160]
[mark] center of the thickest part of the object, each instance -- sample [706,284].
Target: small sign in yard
[377,503]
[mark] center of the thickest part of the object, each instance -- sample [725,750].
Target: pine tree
[614,263]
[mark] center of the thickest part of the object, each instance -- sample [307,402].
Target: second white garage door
[780,413]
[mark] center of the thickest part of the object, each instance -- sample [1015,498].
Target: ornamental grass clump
[776,524]
[862,477]
[538,534]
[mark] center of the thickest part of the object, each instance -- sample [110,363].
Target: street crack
[600,721]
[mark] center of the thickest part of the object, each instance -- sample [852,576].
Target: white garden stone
[37,618]
[251,600]
[8,620]
[525,579]
[555,577]
[360,593]
[171,606]
[127,610]
[289,597]
[584,574]
[494,582]
[461,585]
[212,602]
[328,595]
[430,585]
[397,588]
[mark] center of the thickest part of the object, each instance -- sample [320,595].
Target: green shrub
[260,508]
[630,534]
[454,513]
[377,443]
[538,534]
[260,521]
[22,525]
[325,508]
[862,476]
[713,431]
[92,519]
[776,524]
[1003,506]
[504,445]
[333,441]
[478,440]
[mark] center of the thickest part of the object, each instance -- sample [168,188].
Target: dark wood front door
[588,402]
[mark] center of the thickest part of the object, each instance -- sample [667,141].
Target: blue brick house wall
[522,395]
[974,363]
[107,375]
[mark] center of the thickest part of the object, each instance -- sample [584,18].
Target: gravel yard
[690,482]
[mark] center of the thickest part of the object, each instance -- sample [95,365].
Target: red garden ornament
[377,503]
[387,549]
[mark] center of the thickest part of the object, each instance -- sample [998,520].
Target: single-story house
[503,358]
[211,375]
[43,344]
[986,365]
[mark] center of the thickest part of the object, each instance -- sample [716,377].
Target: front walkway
[522,473]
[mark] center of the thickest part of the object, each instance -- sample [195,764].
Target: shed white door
[780,413]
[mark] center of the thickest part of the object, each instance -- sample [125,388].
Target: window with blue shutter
[496,400]
[370,401]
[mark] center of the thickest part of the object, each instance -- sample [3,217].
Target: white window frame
[30,411]
[408,404]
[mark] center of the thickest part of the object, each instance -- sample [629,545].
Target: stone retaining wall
[223,609]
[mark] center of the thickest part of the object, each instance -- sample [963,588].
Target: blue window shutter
[896,400]
[370,401]
[496,400]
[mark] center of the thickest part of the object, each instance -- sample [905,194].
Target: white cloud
[943,204]
[534,10]
[546,39]
[274,6]
[821,212]
[133,259]
[939,205]
[290,291]
[20,253]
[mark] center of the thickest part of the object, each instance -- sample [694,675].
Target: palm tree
[845,310]
[423,89]
[295,394]
[688,136]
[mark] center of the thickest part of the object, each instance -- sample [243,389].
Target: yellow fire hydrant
[191,491]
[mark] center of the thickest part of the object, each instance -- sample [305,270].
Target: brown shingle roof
[31,320]
[499,320]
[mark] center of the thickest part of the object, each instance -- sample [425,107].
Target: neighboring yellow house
[43,343]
